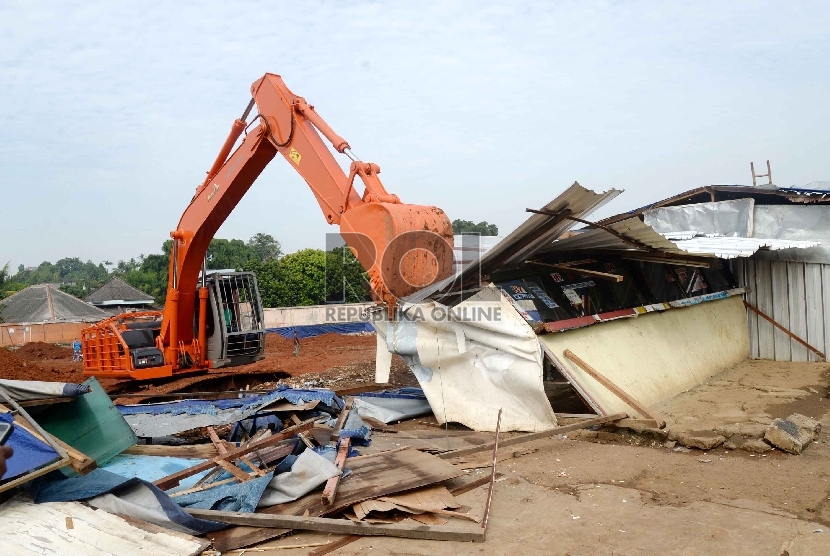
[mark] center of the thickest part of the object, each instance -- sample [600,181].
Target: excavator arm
[402,247]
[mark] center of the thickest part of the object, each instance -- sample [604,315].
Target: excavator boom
[402,247]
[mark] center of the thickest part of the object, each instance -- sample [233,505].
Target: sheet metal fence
[794,295]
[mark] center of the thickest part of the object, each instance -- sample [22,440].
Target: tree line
[306,277]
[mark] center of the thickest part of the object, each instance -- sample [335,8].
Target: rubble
[792,434]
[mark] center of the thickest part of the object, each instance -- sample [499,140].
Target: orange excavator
[215,319]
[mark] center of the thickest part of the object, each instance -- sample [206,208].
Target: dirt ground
[330,360]
[611,492]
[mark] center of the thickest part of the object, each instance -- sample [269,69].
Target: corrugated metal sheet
[534,235]
[795,295]
[639,232]
[538,231]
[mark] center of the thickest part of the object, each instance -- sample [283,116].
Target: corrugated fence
[794,295]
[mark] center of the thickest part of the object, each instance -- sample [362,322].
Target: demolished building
[623,313]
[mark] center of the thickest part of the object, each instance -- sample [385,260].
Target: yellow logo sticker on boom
[212,193]
[295,156]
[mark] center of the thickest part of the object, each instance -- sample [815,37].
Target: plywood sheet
[72,529]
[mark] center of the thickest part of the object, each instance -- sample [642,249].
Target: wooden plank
[61,462]
[201,544]
[240,475]
[763,281]
[343,392]
[193,451]
[371,476]
[789,334]
[170,481]
[780,309]
[330,490]
[815,309]
[537,435]
[343,526]
[798,309]
[581,271]
[486,518]
[303,436]
[616,390]
[341,420]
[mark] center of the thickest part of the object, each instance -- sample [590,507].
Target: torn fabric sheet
[21,390]
[390,406]
[309,471]
[471,362]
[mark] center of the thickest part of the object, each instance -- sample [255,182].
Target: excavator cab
[234,324]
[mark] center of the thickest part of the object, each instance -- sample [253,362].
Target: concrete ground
[620,494]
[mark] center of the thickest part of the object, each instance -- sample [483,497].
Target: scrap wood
[458,491]
[616,390]
[486,516]
[463,463]
[536,435]
[330,490]
[341,420]
[224,447]
[170,481]
[372,476]
[424,500]
[328,525]
[303,436]
[193,451]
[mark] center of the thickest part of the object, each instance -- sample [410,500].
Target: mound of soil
[40,351]
[14,368]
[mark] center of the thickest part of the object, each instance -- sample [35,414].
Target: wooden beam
[782,329]
[341,420]
[610,385]
[582,271]
[170,481]
[343,526]
[303,436]
[649,258]
[330,491]
[613,232]
[485,519]
[536,435]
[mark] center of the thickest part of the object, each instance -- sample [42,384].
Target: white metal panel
[825,303]
[780,309]
[815,310]
[763,281]
[797,309]
[748,274]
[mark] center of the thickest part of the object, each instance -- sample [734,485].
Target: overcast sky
[110,115]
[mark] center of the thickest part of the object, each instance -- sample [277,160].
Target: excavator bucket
[404,248]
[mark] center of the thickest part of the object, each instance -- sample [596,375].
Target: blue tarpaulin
[29,452]
[246,404]
[311,330]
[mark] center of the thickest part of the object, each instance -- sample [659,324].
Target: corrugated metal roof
[534,235]
[639,232]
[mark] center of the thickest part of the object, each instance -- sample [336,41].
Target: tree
[468,227]
[264,247]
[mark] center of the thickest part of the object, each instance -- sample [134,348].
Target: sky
[111,113]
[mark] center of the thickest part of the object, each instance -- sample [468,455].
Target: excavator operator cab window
[240,311]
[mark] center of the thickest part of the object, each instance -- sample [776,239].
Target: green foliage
[264,248]
[307,277]
[469,227]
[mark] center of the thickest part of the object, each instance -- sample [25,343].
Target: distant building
[116,297]
[45,303]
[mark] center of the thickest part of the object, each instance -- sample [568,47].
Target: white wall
[656,356]
[281,317]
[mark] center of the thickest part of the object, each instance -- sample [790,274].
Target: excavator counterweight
[216,319]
